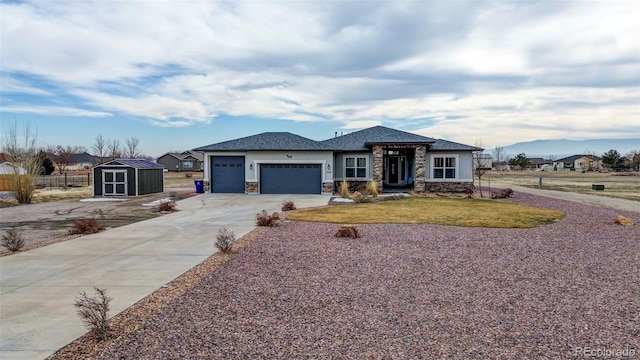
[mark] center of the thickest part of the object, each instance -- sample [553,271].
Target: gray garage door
[227,174]
[290,179]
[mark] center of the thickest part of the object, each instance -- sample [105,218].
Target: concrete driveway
[38,287]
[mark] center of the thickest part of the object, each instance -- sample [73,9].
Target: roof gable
[377,135]
[268,141]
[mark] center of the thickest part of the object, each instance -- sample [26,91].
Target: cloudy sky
[182,74]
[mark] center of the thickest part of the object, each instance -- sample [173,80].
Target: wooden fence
[51,181]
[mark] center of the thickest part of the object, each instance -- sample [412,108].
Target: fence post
[540,182]
[65,180]
[88,179]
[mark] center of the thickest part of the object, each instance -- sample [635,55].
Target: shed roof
[135,163]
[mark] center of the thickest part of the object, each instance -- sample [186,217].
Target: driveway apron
[38,287]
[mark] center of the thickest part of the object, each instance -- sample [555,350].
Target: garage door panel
[290,179]
[227,174]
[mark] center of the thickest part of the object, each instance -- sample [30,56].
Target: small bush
[372,188]
[264,219]
[224,240]
[348,231]
[167,206]
[502,194]
[188,175]
[623,220]
[288,205]
[86,226]
[93,312]
[13,240]
[344,190]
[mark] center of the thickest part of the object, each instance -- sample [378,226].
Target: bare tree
[479,166]
[131,144]
[500,157]
[634,158]
[25,159]
[113,149]
[100,146]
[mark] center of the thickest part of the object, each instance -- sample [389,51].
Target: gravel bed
[412,291]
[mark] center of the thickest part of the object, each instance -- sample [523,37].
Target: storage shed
[128,177]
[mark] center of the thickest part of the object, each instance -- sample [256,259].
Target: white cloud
[54,110]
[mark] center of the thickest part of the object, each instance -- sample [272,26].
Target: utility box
[597,187]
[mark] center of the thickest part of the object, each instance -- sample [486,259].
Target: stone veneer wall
[452,187]
[327,187]
[378,166]
[206,186]
[353,185]
[421,168]
[251,187]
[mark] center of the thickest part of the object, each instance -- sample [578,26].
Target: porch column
[421,168]
[377,165]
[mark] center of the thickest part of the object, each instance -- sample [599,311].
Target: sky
[182,74]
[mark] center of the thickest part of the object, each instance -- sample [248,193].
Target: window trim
[356,167]
[444,168]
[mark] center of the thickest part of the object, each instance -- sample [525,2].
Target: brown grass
[443,211]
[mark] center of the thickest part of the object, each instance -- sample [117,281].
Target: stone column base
[251,187]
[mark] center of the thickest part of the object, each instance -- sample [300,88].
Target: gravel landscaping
[412,291]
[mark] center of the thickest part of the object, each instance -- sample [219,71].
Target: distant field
[617,185]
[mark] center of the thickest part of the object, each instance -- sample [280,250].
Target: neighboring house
[538,163]
[83,161]
[3,158]
[7,173]
[184,161]
[484,160]
[579,163]
[284,163]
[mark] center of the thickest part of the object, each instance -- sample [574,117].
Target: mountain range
[562,147]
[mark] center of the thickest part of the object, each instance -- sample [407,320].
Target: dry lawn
[428,210]
[617,185]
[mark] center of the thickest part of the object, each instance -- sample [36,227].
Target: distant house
[83,161]
[3,158]
[484,160]
[7,173]
[184,161]
[579,163]
[538,163]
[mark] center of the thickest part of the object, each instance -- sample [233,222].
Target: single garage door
[227,174]
[290,179]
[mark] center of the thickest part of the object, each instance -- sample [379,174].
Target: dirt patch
[49,222]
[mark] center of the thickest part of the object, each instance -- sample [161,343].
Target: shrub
[372,188]
[288,205]
[93,312]
[167,206]
[188,175]
[13,240]
[86,226]
[348,231]
[344,190]
[502,194]
[264,219]
[224,240]
[623,220]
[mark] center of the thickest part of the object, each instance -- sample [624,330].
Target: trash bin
[199,188]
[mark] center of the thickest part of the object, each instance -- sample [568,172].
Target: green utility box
[597,187]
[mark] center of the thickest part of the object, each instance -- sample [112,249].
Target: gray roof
[185,154]
[377,135]
[268,141]
[576,157]
[357,141]
[136,163]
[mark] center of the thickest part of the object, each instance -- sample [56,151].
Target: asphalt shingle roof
[576,157]
[268,141]
[358,141]
[136,163]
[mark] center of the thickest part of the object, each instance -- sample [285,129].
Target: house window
[355,167]
[187,164]
[444,167]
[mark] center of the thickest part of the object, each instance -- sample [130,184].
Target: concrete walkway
[38,287]
[596,200]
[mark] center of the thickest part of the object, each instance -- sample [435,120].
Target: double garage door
[228,176]
[290,179]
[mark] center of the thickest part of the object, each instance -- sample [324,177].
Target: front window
[187,164]
[444,167]
[355,167]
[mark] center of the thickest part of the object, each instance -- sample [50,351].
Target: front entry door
[394,170]
[114,182]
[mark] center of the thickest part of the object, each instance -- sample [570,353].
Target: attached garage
[290,179]
[227,174]
[128,177]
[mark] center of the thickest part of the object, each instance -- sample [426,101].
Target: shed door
[227,174]
[290,179]
[114,182]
